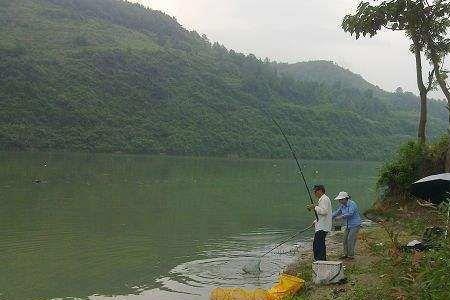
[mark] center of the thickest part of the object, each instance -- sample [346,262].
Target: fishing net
[291,250]
[254,267]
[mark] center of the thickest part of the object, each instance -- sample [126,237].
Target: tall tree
[404,15]
[436,21]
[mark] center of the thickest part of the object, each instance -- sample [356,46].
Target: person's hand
[310,207]
[338,218]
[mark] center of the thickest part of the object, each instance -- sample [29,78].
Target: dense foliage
[412,162]
[327,72]
[107,75]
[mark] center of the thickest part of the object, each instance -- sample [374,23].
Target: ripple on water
[222,267]
[199,277]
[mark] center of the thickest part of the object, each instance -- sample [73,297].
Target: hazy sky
[298,30]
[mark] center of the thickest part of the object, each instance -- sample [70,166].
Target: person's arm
[351,211]
[321,208]
[337,213]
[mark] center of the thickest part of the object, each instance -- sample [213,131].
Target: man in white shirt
[323,224]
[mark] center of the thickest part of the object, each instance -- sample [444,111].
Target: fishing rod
[296,160]
[286,240]
[255,267]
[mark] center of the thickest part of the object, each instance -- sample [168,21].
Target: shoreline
[382,268]
[334,249]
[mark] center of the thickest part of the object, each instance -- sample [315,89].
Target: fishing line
[255,267]
[294,156]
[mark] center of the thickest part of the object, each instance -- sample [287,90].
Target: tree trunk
[435,59]
[421,133]
[447,155]
[444,88]
[442,83]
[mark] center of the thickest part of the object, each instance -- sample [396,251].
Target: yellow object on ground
[238,294]
[287,286]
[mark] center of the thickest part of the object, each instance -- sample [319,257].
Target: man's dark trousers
[320,251]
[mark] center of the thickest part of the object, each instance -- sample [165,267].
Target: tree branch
[430,80]
[392,28]
[426,204]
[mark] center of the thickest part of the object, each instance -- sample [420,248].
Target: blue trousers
[319,248]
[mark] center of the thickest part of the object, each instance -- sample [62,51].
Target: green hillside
[327,72]
[333,75]
[107,76]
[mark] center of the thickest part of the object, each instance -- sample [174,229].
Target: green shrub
[396,176]
[412,162]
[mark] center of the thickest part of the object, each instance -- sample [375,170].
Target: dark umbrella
[434,188]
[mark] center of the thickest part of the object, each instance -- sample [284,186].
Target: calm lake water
[151,227]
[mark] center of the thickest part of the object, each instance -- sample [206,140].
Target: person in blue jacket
[348,212]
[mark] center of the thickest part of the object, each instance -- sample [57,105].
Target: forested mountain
[333,75]
[107,75]
[327,72]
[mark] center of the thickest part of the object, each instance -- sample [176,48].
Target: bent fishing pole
[254,268]
[295,157]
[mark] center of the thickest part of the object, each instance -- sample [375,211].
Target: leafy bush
[412,162]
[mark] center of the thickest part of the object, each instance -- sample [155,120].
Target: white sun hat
[342,195]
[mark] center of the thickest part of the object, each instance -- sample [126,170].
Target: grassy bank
[381,269]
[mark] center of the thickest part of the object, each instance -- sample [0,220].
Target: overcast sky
[298,30]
